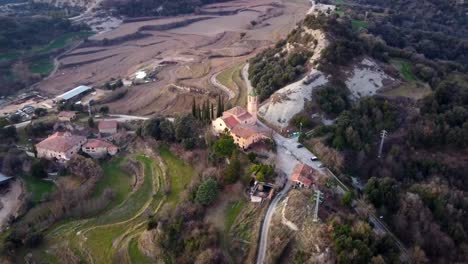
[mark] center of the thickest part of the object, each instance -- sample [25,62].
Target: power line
[383,134]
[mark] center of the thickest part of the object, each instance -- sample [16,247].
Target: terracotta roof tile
[97,143]
[230,121]
[107,124]
[246,131]
[237,110]
[60,142]
[244,116]
[304,173]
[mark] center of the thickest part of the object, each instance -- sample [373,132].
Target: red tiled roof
[68,114]
[244,116]
[237,110]
[107,124]
[230,121]
[60,142]
[97,143]
[304,174]
[246,131]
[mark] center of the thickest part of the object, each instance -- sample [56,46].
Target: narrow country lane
[288,155]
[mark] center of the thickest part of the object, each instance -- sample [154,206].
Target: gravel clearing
[290,100]
[366,79]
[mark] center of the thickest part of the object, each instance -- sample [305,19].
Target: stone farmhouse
[98,148]
[60,145]
[242,124]
[304,176]
[67,116]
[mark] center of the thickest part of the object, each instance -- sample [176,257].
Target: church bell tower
[252,103]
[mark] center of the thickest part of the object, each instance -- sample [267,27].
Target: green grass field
[180,174]
[117,228]
[135,255]
[38,187]
[57,43]
[405,68]
[116,179]
[13,55]
[232,212]
[61,41]
[231,78]
[414,90]
[359,24]
[42,66]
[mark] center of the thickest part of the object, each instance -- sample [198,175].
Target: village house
[304,176]
[67,116]
[242,124]
[60,145]
[108,127]
[98,148]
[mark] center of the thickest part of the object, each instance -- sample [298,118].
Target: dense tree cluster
[435,28]
[345,45]
[356,242]
[185,130]
[26,32]
[358,127]
[332,98]
[273,69]
[444,116]
[383,192]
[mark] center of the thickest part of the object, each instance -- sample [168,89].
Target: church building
[241,123]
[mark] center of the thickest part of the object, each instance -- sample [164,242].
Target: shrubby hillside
[419,185]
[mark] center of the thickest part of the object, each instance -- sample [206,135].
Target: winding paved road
[288,155]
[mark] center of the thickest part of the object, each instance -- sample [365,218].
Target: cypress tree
[207,110]
[218,108]
[222,105]
[194,108]
[212,111]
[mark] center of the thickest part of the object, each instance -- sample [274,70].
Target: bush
[33,240]
[224,146]
[233,170]
[332,98]
[347,198]
[207,192]
[152,224]
[38,170]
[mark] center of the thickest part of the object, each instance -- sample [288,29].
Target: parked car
[300,146]
[313,158]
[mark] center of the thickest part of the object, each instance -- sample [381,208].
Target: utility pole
[383,134]
[318,196]
[89,108]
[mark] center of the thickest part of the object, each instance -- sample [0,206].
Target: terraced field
[113,235]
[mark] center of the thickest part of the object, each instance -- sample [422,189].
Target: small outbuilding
[67,116]
[108,127]
[98,148]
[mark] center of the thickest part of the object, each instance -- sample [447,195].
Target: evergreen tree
[219,112]
[212,111]
[194,108]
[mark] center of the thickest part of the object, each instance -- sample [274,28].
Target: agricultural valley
[233,131]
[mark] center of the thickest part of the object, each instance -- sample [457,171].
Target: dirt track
[219,36]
